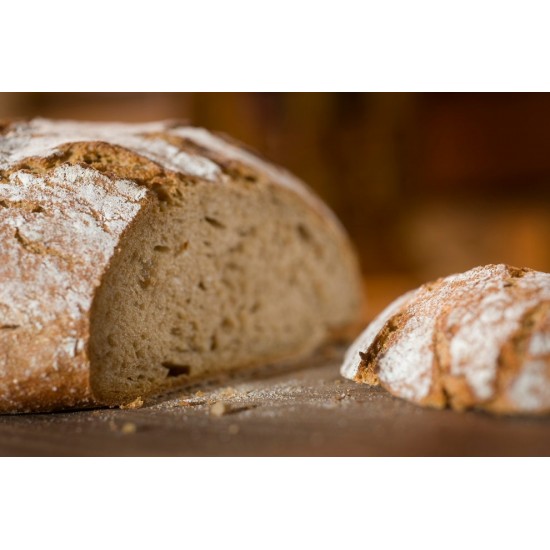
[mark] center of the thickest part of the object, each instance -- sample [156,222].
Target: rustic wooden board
[301,411]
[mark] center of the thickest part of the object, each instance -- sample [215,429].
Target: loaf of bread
[137,258]
[480,339]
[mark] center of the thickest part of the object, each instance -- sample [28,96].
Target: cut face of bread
[140,258]
[225,278]
[478,339]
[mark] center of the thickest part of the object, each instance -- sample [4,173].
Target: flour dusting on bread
[474,339]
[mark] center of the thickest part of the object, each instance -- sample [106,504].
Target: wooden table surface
[304,410]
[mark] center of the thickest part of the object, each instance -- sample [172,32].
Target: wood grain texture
[304,411]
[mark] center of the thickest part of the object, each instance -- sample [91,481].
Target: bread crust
[69,193]
[478,339]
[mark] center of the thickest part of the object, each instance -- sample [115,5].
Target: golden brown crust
[49,276]
[474,340]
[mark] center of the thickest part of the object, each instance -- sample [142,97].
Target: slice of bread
[479,339]
[136,258]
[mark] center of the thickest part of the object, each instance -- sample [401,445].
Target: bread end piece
[475,340]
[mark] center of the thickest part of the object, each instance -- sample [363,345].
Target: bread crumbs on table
[137,403]
[128,428]
[218,409]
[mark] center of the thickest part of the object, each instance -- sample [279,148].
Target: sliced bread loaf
[136,258]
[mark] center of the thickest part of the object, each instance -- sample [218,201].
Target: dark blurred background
[426,184]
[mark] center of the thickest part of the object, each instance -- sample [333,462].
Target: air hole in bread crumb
[214,222]
[182,248]
[176,370]
[160,248]
[213,345]
[227,323]
[303,232]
